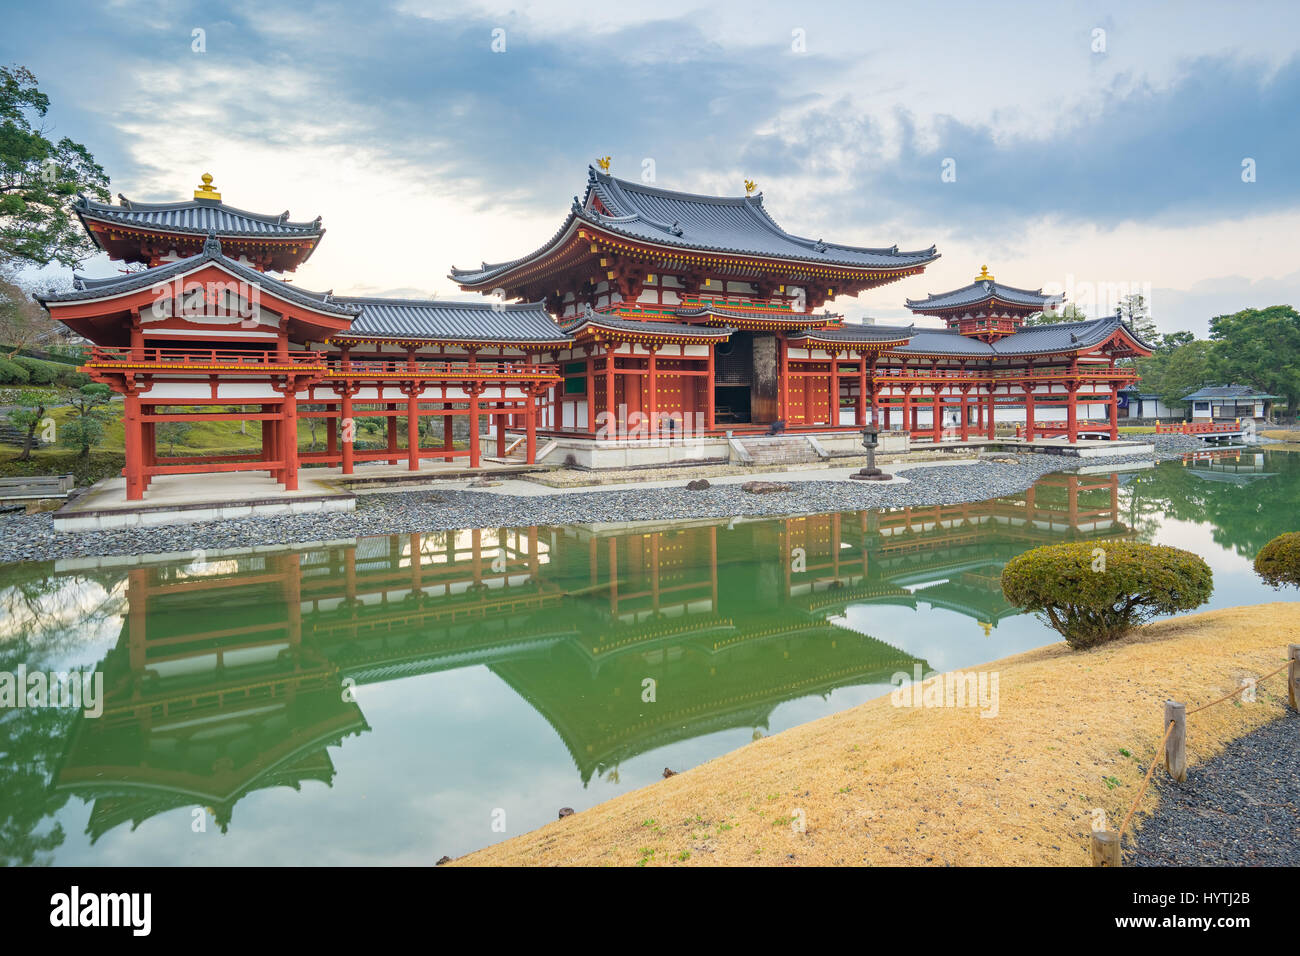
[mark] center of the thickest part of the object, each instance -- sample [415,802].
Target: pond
[396,699]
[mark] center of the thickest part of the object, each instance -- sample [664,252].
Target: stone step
[779,450]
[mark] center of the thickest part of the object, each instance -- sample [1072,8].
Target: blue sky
[1098,147]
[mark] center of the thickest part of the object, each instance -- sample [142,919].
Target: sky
[1095,149]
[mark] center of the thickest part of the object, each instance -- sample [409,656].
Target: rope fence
[1107,844]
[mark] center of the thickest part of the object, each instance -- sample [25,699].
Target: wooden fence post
[1105,848]
[1176,745]
[1293,677]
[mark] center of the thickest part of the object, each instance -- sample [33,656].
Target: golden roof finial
[204,190]
[750,186]
[984,275]
[603,163]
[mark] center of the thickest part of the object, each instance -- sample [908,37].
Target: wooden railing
[1198,428]
[400,368]
[108,356]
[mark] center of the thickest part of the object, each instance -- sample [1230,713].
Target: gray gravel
[32,537]
[1242,808]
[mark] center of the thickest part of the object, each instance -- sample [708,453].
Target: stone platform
[185,499]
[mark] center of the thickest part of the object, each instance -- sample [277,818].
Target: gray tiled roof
[87,288]
[1061,337]
[776,315]
[981,291]
[738,225]
[1034,340]
[857,333]
[944,342]
[454,321]
[574,325]
[1225,391]
[198,217]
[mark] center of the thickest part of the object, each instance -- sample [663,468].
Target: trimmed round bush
[11,373]
[1095,591]
[1278,562]
[38,372]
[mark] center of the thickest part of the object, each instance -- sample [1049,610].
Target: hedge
[1093,592]
[1278,562]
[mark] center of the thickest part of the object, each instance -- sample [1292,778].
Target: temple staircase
[777,450]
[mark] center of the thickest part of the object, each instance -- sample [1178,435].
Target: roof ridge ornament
[750,186]
[676,229]
[205,189]
[984,275]
[603,163]
[212,245]
[820,246]
[126,203]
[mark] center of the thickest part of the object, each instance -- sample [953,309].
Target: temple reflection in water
[236,673]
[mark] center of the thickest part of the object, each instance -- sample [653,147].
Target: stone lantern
[870,441]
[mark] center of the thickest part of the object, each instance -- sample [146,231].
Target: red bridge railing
[1198,428]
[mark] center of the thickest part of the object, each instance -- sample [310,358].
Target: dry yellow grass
[1289,436]
[879,784]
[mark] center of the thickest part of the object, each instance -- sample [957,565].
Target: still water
[388,699]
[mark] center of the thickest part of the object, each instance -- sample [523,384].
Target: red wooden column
[860,412]
[965,413]
[908,425]
[474,390]
[710,420]
[412,391]
[530,425]
[500,421]
[133,469]
[612,418]
[1114,413]
[448,431]
[349,428]
[289,428]
[651,399]
[1072,412]
[412,427]
[346,391]
[591,391]
[992,423]
[331,435]
[1029,412]
[833,395]
[783,386]
[937,423]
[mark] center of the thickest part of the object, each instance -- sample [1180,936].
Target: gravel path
[1242,808]
[32,537]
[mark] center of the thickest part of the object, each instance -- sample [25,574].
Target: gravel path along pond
[33,538]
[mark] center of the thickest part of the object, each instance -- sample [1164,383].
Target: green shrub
[1278,562]
[38,372]
[11,373]
[1093,592]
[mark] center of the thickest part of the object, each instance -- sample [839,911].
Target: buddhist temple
[654,326]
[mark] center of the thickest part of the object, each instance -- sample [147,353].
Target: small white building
[1228,403]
